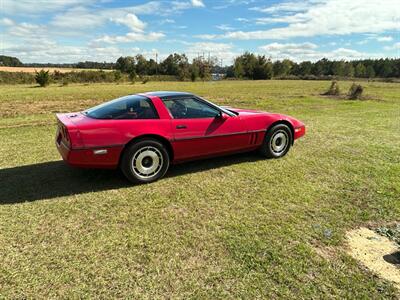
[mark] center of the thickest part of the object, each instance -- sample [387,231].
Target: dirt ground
[376,252]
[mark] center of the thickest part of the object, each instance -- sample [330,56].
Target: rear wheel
[277,141]
[145,161]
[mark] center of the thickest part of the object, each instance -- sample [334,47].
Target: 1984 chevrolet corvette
[143,134]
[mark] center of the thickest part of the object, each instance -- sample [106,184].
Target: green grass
[231,227]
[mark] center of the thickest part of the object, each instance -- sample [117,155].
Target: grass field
[232,227]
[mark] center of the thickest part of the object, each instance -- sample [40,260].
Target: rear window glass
[129,107]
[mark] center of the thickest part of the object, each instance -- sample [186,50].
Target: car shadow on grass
[55,179]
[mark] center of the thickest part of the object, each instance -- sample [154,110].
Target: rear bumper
[104,157]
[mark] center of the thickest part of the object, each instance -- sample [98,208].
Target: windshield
[129,107]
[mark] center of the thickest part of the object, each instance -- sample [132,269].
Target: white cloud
[288,47]
[182,5]
[285,7]
[206,36]
[78,18]
[309,51]
[6,22]
[167,21]
[384,39]
[13,7]
[197,3]
[132,22]
[131,37]
[224,27]
[329,17]
[83,18]
[395,46]
[375,37]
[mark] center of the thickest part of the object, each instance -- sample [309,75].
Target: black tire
[277,141]
[145,156]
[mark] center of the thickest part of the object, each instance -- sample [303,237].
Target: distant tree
[360,70]
[251,66]
[42,78]
[194,72]
[370,72]
[141,65]
[282,68]
[263,68]
[230,72]
[95,65]
[338,68]
[125,64]
[385,68]
[248,61]
[238,69]
[305,68]
[204,68]
[349,70]
[152,67]
[170,65]
[183,68]
[322,67]
[10,61]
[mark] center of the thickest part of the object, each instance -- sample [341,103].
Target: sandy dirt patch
[376,252]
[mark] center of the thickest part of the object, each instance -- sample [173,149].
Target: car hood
[242,111]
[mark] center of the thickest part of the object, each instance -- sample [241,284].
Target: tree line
[177,65]
[254,66]
[245,66]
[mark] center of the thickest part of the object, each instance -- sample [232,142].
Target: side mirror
[221,116]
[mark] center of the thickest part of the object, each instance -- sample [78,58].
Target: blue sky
[77,30]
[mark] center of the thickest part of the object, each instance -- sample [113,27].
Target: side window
[130,107]
[190,108]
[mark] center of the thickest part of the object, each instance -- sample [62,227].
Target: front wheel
[277,141]
[145,161]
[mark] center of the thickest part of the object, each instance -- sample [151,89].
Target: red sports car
[143,134]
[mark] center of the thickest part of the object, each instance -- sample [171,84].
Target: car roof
[165,94]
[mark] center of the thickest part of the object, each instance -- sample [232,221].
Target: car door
[200,129]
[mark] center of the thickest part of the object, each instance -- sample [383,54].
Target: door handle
[181,126]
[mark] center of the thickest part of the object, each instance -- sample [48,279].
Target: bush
[16,78]
[117,75]
[145,80]
[132,76]
[333,90]
[42,78]
[355,92]
[64,81]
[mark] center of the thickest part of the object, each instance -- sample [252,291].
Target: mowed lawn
[231,227]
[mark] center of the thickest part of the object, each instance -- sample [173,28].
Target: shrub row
[78,77]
